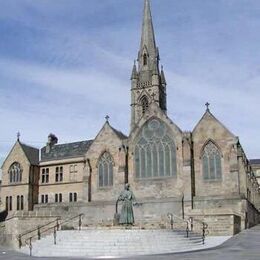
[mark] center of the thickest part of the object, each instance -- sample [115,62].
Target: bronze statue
[128,199]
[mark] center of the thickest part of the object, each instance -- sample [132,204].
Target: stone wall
[220,223]
[21,224]
[150,213]
[210,129]
[61,188]
[252,216]
[106,141]
[166,187]
[16,189]
[72,181]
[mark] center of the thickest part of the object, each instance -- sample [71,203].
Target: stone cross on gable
[107,118]
[18,136]
[207,105]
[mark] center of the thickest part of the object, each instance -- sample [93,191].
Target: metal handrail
[204,228]
[55,228]
[189,225]
[35,229]
[171,216]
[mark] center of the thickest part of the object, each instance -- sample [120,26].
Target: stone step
[97,243]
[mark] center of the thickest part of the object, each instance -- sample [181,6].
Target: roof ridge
[90,140]
[23,144]
[31,153]
[118,132]
[66,150]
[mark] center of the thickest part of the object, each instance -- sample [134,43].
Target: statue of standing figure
[128,199]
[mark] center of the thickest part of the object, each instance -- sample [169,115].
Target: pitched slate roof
[31,153]
[255,161]
[64,151]
[118,133]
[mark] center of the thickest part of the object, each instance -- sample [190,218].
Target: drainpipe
[89,180]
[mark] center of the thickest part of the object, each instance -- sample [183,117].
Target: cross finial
[18,136]
[107,118]
[207,105]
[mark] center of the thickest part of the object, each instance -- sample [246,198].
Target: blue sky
[66,64]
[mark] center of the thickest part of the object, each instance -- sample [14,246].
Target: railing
[43,229]
[171,216]
[38,230]
[203,226]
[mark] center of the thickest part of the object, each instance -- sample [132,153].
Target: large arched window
[155,152]
[105,170]
[211,161]
[144,104]
[15,173]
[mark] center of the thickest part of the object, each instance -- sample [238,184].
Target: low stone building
[203,174]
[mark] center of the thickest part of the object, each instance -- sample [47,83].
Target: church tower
[148,82]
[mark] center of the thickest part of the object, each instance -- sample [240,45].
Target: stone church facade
[203,174]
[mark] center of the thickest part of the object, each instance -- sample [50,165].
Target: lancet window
[105,170]
[144,104]
[211,161]
[15,173]
[155,152]
[145,59]
[19,202]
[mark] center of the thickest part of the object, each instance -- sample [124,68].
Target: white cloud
[77,69]
[93,85]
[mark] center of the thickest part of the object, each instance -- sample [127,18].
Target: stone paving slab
[244,246]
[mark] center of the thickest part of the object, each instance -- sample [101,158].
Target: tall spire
[148,49]
[147,83]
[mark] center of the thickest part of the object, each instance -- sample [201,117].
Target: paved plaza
[244,246]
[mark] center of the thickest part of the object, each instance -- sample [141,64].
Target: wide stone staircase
[114,243]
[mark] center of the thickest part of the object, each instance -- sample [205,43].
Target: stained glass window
[155,151]
[211,162]
[15,173]
[105,170]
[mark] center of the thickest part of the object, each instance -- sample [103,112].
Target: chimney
[52,140]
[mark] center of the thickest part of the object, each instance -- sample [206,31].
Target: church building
[202,174]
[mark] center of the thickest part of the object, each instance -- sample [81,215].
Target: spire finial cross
[207,105]
[18,136]
[107,118]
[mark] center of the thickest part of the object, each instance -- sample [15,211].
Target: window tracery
[155,152]
[211,161]
[105,170]
[144,104]
[15,173]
